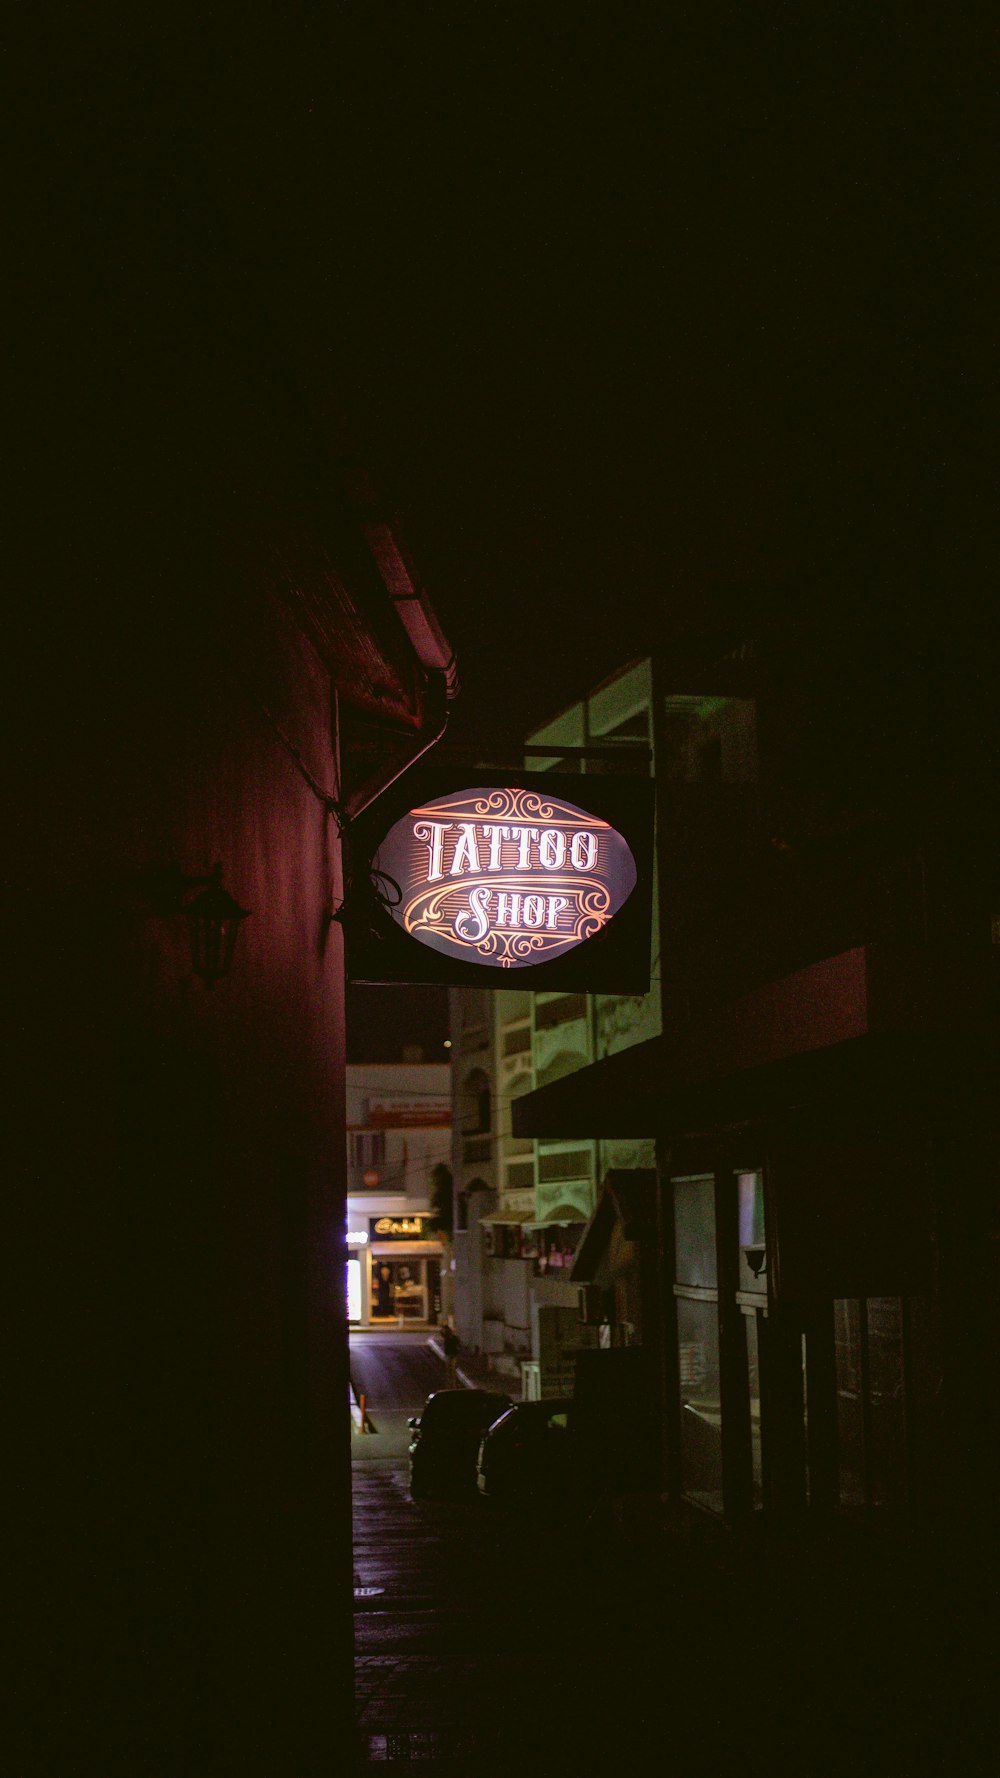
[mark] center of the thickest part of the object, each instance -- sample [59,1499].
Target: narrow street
[424,1686]
[474,1650]
[395,1370]
[498,1644]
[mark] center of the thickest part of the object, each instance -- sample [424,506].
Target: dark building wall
[872,825]
[391,1024]
[180,1458]
[870,820]
[181,1465]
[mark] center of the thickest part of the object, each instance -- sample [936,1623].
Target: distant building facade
[767,1184]
[796,1161]
[398,1246]
[522,1205]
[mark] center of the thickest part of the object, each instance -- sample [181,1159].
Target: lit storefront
[393,1272]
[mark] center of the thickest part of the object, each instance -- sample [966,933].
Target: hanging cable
[331,804]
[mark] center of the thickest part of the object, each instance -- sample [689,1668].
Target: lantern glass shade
[214,921]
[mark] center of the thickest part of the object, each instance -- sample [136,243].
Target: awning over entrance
[642,1092]
[617,1097]
[594,1240]
[625,1198]
[883,1019]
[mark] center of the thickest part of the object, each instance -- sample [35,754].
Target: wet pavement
[471,1640]
[500,1644]
[457,1652]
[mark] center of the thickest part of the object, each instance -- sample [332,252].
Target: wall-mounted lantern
[214,921]
[213,917]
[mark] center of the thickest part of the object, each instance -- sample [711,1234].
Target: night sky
[658,323]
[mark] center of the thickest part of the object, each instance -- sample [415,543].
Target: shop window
[399,1290]
[701,1402]
[694,1232]
[697,1309]
[871,1401]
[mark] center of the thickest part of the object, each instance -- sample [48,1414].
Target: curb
[466,1381]
[493,1379]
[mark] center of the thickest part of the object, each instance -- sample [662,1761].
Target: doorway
[743,1401]
[405,1289]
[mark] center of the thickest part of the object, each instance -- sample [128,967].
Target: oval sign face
[505,877]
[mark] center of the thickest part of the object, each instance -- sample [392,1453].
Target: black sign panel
[533,880]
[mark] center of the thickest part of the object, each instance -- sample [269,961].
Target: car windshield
[466,1408]
[533,1419]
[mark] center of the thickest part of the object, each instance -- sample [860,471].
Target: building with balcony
[523,1204]
[757,1183]
[812,1243]
[398,1228]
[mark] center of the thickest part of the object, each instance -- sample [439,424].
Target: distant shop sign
[397,1228]
[518,877]
[401,1114]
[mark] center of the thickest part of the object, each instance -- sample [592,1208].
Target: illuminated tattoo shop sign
[508,878]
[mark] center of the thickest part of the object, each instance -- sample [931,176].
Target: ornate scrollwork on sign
[506,877]
[525,804]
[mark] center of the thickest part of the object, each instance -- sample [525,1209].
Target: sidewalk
[473,1371]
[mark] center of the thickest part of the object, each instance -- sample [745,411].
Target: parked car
[445,1439]
[528,1454]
